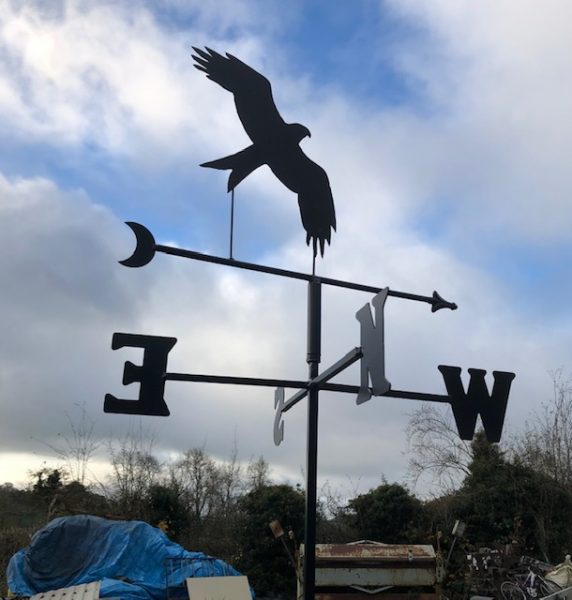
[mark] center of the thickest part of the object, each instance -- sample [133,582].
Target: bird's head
[299,132]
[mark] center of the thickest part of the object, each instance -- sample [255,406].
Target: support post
[313,360]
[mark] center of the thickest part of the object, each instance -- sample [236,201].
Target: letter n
[373,352]
[477,400]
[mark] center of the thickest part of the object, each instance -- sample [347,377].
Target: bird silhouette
[274,143]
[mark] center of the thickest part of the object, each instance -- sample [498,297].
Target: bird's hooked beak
[299,131]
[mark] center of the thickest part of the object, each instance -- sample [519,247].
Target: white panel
[85,591]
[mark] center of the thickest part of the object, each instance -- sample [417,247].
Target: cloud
[499,76]
[69,295]
[62,294]
[421,197]
[109,75]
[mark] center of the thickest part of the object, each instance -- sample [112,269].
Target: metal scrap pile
[503,576]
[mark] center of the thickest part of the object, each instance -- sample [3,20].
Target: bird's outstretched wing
[315,201]
[252,92]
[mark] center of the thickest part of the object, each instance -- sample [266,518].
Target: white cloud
[123,80]
[107,75]
[500,75]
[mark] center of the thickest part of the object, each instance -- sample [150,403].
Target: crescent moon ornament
[145,249]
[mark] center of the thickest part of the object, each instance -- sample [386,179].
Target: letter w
[477,400]
[372,346]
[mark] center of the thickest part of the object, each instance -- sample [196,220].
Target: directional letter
[477,400]
[149,374]
[372,345]
[278,421]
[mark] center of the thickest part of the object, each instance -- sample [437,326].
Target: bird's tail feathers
[219,163]
[242,164]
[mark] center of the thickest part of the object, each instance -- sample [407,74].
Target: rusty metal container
[372,568]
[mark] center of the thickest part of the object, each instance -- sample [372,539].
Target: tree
[78,447]
[197,477]
[257,474]
[48,480]
[52,491]
[504,502]
[229,484]
[336,522]
[546,443]
[167,510]
[220,532]
[262,557]
[209,491]
[134,471]
[389,513]
[437,452]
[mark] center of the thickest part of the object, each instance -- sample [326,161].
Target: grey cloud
[67,294]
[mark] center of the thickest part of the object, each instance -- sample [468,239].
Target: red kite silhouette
[274,143]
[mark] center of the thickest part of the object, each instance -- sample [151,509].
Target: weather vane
[276,144]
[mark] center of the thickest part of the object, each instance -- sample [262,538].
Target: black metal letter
[149,375]
[372,345]
[477,400]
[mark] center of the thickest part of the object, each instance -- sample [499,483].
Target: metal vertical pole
[231,223]
[313,360]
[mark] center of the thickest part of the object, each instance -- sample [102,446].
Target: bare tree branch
[78,447]
[436,450]
[546,442]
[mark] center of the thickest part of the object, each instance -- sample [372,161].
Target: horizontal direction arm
[302,385]
[254,381]
[406,395]
[147,247]
[436,301]
[318,381]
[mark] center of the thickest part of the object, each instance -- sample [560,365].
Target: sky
[445,131]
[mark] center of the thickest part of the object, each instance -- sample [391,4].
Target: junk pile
[495,574]
[131,559]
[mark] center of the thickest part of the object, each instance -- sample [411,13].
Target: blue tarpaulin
[133,560]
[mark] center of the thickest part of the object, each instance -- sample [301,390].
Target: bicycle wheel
[547,587]
[511,591]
